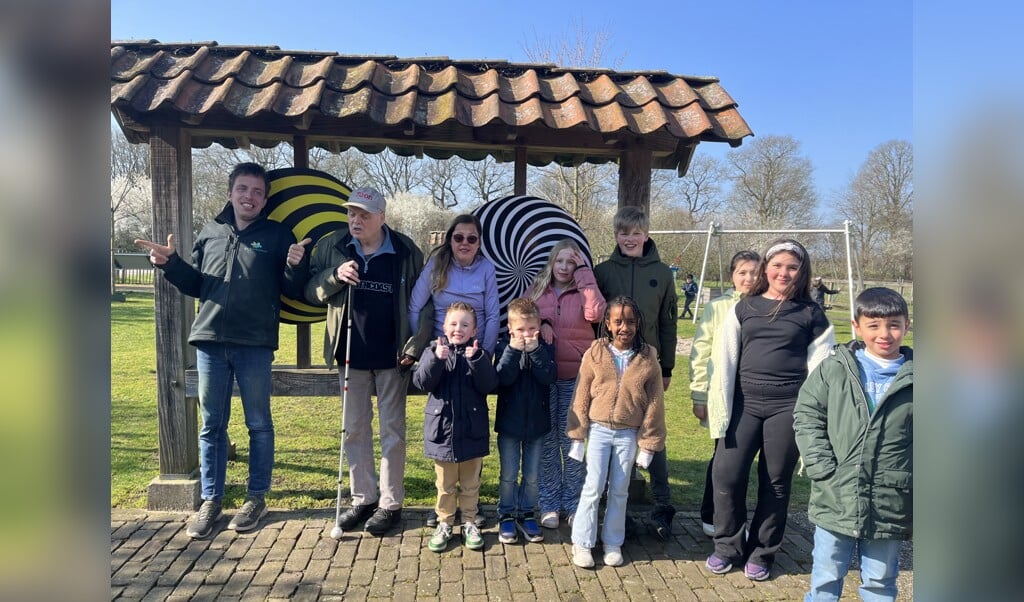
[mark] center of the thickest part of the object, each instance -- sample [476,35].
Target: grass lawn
[307,428]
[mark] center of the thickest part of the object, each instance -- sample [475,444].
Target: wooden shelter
[176,97]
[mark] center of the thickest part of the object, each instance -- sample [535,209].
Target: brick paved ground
[293,557]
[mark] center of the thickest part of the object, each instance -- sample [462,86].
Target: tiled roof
[437,106]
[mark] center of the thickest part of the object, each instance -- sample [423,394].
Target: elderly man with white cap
[378,266]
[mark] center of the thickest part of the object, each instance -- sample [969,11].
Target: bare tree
[443,179]
[698,193]
[415,216]
[348,166]
[390,173]
[772,185]
[130,209]
[584,48]
[878,201]
[487,179]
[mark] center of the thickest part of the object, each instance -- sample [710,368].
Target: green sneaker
[439,541]
[471,536]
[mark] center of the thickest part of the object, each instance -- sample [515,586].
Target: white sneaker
[582,557]
[708,529]
[612,556]
[549,520]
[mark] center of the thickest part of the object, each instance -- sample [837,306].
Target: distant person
[570,305]
[457,271]
[457,374]
[635,270]
[819,290]
[767,344]
[854,427]
[374,267]
[743,271]
[689,294]
[619,409]
[526,368]
[241,264]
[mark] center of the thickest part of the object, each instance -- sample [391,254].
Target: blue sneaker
[530,528]
[507,530]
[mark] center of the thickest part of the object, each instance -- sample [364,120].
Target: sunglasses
[471,239]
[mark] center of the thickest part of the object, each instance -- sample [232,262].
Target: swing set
[715,231]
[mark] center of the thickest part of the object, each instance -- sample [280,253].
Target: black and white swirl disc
[518,234]
[309,202]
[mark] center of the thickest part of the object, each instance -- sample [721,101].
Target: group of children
[768,379]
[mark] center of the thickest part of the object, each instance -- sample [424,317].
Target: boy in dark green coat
[854,424]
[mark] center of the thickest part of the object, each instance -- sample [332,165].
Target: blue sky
[837,76]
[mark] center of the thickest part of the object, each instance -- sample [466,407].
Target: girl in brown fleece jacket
[619,405]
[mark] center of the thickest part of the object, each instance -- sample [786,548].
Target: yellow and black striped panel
[309,202]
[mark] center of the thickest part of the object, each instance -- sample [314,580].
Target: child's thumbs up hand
[441,351]
[471,351]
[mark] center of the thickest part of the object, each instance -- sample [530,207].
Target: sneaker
[717,565]
[355,515]
[507,530]
[708,529]
[248,516]
[582,557]
[202,525]
[439,541]
[549,520]
[382,521]
[471,537]
[612,556]
[756,572]
[432,519]
[532,532]
[481,519]
[662,517]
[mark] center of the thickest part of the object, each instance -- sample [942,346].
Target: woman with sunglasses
[457,271]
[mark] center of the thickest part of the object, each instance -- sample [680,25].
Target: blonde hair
[523,308]
[630,217]
[461,306]
[543,279]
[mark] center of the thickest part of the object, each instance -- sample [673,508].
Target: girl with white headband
[766,347]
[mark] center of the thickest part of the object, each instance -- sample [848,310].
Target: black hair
[624,301]
[743,256]
[249,169]
[880,302]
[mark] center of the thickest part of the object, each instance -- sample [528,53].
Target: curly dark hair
[624,301]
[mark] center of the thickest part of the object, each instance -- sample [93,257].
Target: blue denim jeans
[879,565]
[610,457]
[219,365]
[517,496]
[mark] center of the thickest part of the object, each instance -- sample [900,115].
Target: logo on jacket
[256,245]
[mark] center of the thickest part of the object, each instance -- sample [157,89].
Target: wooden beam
[289,381]
[171,169]
[520,171]
[300,147]
[635,178]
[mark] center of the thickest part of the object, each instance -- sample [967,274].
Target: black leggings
[762,419]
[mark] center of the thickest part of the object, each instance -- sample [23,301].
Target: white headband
[785,246]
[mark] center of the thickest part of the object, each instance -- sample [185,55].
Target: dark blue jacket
[456,427]
[524,388]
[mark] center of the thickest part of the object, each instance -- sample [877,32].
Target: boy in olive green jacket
[854,426]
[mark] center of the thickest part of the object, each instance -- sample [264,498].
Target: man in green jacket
[374,268]
[635,270]
[854,426]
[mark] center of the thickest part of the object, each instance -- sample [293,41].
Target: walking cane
[336,532]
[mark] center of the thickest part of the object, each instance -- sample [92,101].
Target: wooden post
[635,178]
[171,168]
[300,148]
[520,171]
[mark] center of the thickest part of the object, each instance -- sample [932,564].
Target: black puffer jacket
[524,390]
[238,277]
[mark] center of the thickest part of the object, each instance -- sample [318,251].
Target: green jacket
[325,288]
[649,282]
[860,464]
[700,352]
